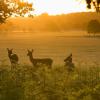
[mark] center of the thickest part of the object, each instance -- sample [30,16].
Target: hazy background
[50,36]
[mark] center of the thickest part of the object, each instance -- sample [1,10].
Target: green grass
[25,82]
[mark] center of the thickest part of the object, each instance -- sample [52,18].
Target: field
[25,82]
[51,45]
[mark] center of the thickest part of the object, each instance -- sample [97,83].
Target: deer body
[69,63]
[38,61]
[13,57]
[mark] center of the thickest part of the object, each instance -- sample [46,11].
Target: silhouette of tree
[12,7]
[93,27]
[95,3]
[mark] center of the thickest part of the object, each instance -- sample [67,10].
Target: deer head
[9,51]
[30,52]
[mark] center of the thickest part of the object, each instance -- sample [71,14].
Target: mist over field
[50,36]
[47,23]
[63,25]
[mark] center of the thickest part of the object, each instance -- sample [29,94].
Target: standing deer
[38,61]
[13,57]
[69,63]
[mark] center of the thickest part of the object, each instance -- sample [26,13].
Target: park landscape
[50,39]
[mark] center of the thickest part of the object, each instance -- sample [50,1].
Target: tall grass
[25,82]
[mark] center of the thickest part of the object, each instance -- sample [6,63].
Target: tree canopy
[14,7]
[5,11]
[93,27]
[95,3]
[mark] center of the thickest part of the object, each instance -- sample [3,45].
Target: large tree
[14,7]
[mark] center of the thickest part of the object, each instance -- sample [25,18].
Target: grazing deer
[38,61]
[13,57]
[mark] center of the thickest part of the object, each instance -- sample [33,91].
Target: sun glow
[54,7]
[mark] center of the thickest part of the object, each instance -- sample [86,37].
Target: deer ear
[32,50]
[7,48]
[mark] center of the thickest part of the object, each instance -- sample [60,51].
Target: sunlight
[54,7]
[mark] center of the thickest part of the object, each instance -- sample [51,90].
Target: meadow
[25,82]
[55,45]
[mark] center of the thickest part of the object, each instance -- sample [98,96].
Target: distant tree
[14,7]
[95,3]
[44,15]
[93,27]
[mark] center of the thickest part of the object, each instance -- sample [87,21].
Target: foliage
[25,82]
[5,11]
[13,7]
[22,8]
[95,3]
[93,27]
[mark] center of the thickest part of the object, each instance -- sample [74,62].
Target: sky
[54,7]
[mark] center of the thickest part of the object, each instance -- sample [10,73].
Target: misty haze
[57,42]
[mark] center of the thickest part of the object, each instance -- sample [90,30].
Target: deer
[39,61]
[12,57]
[69,63]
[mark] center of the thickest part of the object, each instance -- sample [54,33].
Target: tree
[93,27]
[22,8]
[4,11]
[95,3]
[12,7]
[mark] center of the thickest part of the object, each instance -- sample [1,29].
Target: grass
[25,82]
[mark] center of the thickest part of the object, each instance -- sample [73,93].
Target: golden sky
[54,7]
